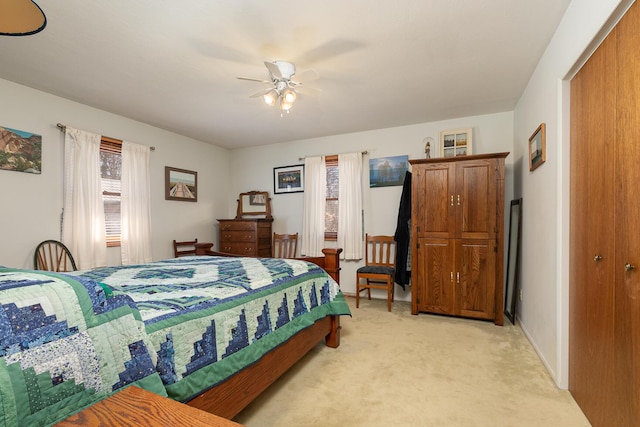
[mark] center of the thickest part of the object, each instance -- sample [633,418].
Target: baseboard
[545,363]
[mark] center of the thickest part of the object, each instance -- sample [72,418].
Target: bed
[212,331]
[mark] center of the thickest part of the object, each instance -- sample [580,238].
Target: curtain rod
[63,127]
[302,158]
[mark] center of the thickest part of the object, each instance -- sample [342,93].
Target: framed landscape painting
[20,151]
[387,171]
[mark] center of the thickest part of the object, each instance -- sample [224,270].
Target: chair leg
[389,295]
[368,290]
[393,291]
[357,292]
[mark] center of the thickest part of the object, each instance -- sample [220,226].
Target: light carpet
[397,369]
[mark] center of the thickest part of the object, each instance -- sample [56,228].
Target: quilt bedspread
[202,313]
[65,345]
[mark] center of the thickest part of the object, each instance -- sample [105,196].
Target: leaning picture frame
[288,179]
[456,142]
[180,184]
[537,148]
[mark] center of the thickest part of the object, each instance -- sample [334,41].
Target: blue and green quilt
[177,327]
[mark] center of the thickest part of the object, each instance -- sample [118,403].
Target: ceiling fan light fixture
[271,97]
[289,95]
[284,105]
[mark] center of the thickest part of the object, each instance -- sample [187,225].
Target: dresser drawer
[249,249]
[237,236]
[238,226]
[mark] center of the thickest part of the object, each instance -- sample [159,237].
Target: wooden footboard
[228,398]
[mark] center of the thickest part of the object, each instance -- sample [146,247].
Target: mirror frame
[244,211]
[513,260]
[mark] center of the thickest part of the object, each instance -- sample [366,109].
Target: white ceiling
[379,64]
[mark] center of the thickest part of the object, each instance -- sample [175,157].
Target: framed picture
[537,148]
[180,184]
[288,179]
[387,171]
[456,142]
[23,151]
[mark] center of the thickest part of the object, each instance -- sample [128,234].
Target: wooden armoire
[604,283]
[457,235]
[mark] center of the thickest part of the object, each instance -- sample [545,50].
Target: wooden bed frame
[228,398]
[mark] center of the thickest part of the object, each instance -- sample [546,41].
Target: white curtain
[350,236]
[135,205]
[83,230]
[313,224]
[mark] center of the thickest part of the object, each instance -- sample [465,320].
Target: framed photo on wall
[388,171]
[537,148]
[180,184]
[288,179]
[456,142]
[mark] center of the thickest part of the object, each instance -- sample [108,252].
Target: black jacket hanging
[403,235]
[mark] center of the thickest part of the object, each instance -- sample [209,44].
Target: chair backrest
[179,248]
[380,250]
[284,245]
[52,255]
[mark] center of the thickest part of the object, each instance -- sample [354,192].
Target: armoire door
[433,204]
[474,269]
[474,199]
[435,274]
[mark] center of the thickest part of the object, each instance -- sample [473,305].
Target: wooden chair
[284,245]
[379,269]
[52,255]
[178,251]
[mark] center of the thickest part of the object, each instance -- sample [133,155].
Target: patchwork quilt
[176,327]
[64,345]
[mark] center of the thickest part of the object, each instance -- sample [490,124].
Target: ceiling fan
[284,90]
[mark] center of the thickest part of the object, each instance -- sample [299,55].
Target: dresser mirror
[254,203]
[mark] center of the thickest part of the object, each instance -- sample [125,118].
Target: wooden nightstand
[136,407]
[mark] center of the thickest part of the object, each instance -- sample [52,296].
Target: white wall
[31,204]
[543,312]
[252,169]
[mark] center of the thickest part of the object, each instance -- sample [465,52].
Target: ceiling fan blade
[329,50]
[261,93]
[309,76]
[308,91]
[273,69]
[254,80]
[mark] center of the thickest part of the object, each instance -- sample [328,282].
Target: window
[331,207]
[110,169]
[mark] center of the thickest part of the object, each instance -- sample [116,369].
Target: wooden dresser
[246,236]
[457,232]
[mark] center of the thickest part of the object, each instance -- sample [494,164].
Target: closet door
[627,205]
[593,226]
